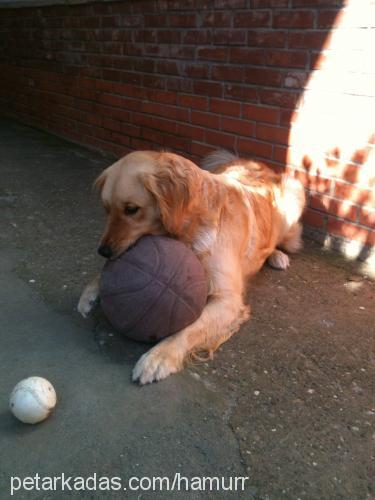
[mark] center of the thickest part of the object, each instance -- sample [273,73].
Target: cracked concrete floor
[289,401]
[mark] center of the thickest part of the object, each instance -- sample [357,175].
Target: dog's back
[276,201]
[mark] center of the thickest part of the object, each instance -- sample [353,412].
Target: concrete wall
[290,82]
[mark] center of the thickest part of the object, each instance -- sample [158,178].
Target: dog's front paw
[88,302]
[278,260]
[156,365]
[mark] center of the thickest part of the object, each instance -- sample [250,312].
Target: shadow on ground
[288,401]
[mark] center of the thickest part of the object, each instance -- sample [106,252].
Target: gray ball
[154,289]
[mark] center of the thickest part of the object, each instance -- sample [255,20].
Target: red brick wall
[257,76]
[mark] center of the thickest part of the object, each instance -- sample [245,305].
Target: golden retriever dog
[235,215]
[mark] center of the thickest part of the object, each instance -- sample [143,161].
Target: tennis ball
[32,400]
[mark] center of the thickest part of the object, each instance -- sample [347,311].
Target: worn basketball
[154,289]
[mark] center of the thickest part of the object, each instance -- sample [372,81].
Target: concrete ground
[289,401]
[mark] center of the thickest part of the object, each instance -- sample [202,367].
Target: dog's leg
[278,260]
[89,298]
[292,241]
[220,319]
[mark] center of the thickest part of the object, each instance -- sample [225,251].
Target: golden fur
[234,219]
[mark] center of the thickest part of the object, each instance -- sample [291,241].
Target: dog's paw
[278,260]
[88,302]
[156,364]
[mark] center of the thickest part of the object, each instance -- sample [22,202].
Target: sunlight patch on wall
[335,119]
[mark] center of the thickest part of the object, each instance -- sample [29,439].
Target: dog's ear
[99,181]
[174,186]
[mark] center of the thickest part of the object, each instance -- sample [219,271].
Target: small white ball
[32,400]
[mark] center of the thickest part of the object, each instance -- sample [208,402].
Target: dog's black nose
[105,251]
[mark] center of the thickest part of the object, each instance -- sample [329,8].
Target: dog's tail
[217,158]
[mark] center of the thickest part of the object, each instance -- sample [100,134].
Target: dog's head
[145,193]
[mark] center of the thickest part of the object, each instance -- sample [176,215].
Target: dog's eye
[130,209]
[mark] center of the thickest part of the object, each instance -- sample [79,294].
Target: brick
[367,217]
[360,156]
[224,107]
[344,210]
[288,117]
[143,120]
[308,39]
[315,183]
[261,4]
[261,113]
[122,139]
[254,148]
[349,173]
[328,18]
[182,52]
[295,79]
[217,19]
[286,58]
[130,21]
[110,21]
[199,150]
[87,83]
[112,75]
[252,19]
[214,89]
[241,92]
[246,55]
[280,154]
[195,133]
[111,124]
[317,60]
[220,139]
[278,98]
[142,144]
[111,100]
[224,4]
[148,66]
[227,73]
[147,80]
[229,37]
[240,127]
[179,144]
[163,36]
[270,133]
[197,37]
[350,231]
[267,38]
[263,76]
[212,53]
[292,18]
[159,96]
[182,20]
[179,84]
[166,67]
[192,101]
[350,192]
[195,70]
[152,20]
[331,206]
[208,120]
[144,36]
[140,7]
[152,135]
[317,3]
[171,112]
[314,219]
